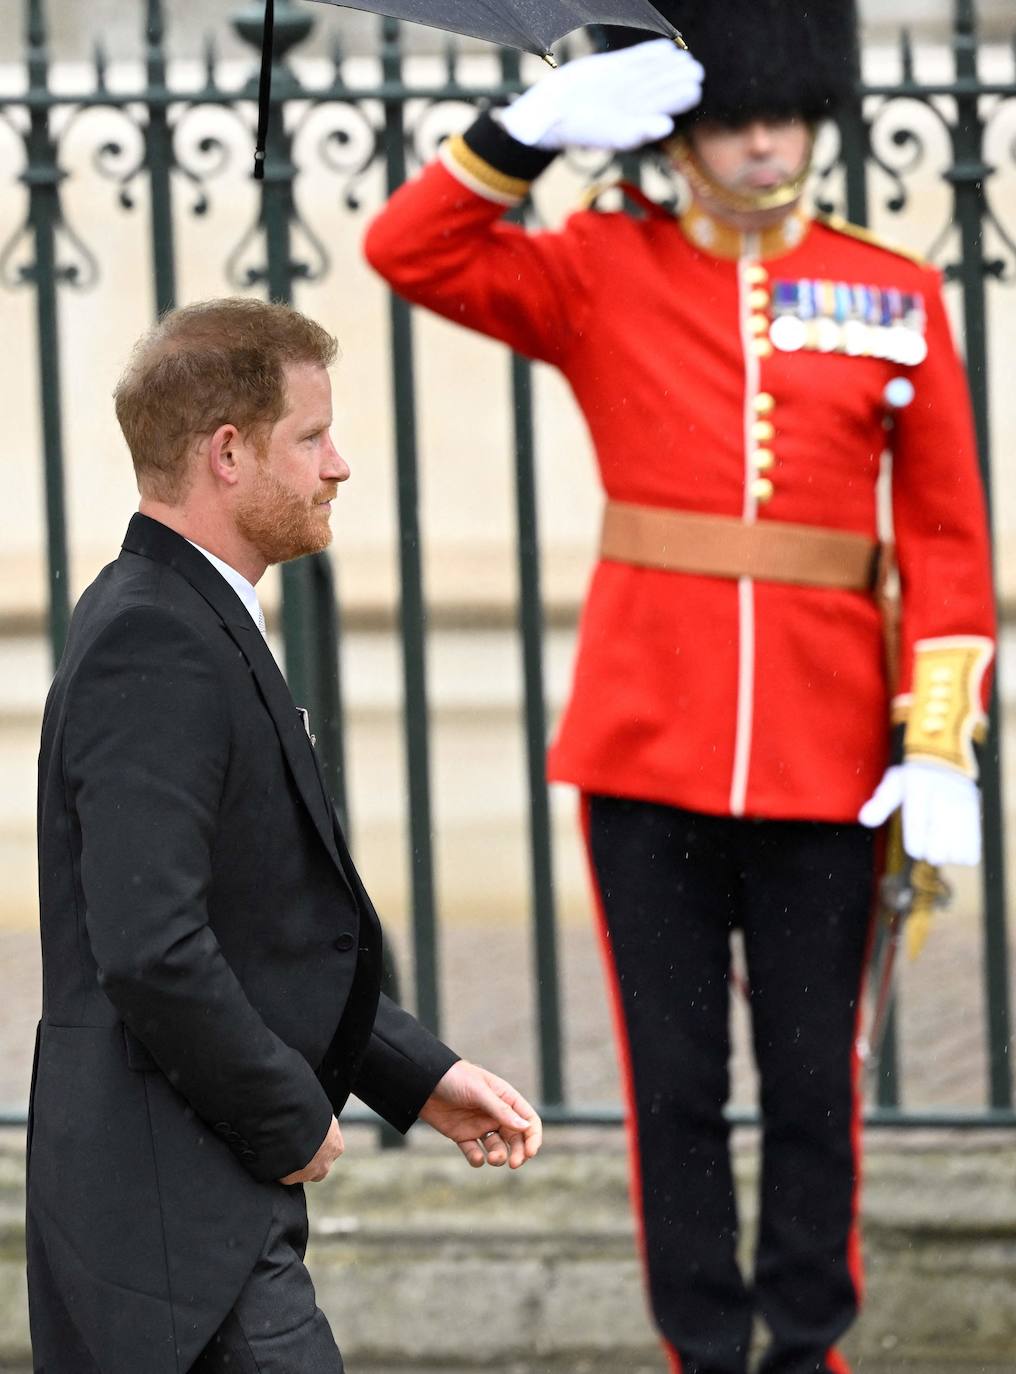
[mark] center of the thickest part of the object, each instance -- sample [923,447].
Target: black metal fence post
[545,956]
[410,568]
[159,161]
[968,175]
[42,176]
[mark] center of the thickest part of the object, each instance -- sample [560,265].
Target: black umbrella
[532,25]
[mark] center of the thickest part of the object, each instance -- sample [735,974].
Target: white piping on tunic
[746,586]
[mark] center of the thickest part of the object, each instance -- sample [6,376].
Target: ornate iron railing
[878,145]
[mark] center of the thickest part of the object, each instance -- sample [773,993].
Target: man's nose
[334,468]
[760,138]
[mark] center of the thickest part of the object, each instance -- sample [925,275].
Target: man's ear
[222,454]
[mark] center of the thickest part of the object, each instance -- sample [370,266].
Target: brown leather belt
[723,546]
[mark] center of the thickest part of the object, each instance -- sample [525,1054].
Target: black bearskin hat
[762,57]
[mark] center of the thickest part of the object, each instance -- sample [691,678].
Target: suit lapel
[296,746]
[150,539]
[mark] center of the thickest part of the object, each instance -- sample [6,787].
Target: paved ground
[488,1012]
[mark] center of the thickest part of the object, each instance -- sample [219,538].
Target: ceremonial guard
[744,369]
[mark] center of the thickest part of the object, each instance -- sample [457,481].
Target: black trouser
[274,1327]
[673,885]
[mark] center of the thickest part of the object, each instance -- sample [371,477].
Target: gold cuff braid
[479,175]
[945,716]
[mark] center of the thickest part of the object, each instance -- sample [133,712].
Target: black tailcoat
[211,961]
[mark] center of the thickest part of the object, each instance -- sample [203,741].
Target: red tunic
[731,697]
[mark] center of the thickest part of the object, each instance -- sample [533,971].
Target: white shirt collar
[244,589]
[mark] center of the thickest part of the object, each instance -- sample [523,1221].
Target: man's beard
[280,524]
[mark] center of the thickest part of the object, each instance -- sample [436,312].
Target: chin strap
[704,185]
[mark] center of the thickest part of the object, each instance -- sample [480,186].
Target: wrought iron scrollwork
[348,146]
[200,158]
[1002,267]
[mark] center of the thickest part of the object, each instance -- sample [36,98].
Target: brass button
[762,431]
[755,274]
[764,459]
[762,348]
[762,490]
[941,675]
[758,324]
[763,403]
[940,691]
[931,726]
[759,298]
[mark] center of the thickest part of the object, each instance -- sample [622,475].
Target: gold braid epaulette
[858,231]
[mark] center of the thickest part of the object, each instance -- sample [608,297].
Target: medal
[788,333]
[855,339]
[911,347]
[828,334]
[851,319]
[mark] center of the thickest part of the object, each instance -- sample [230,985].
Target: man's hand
[328,1152]
[488,1120]
[614,100]
[941,812]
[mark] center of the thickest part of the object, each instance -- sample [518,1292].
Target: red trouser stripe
[624,1065]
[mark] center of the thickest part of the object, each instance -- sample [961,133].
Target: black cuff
[488,140]
[896,744]
[403,1065]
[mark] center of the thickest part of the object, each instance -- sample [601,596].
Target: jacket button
[248,1153]
[764,459]
[345,942]
[222,1127]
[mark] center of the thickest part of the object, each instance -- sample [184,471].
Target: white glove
[616,100]
[941,812]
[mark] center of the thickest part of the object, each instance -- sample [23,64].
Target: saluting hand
[489,1121]
[614,100]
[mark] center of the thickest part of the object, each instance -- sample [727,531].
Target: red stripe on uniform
[624,1065]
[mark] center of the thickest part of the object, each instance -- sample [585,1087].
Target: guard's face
[755,157]
[285,509]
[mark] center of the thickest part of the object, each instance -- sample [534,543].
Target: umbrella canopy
[532,25]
